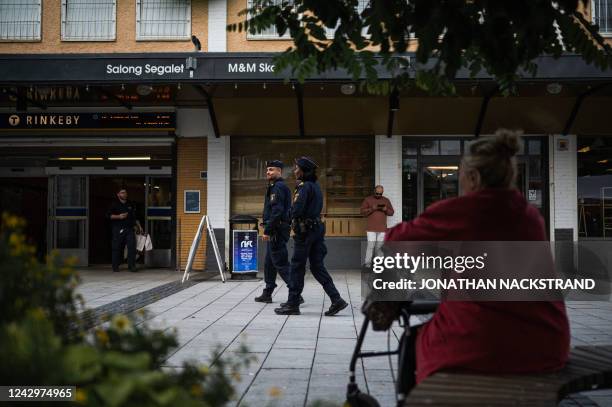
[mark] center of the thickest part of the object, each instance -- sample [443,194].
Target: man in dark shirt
[122,214]
[277,227]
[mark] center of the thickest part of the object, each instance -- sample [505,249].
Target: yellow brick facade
[191,159]
[126,33]
[51,38]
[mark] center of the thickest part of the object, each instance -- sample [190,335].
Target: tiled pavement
[100,286]
[305,358]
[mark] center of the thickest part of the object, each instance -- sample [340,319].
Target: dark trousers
[310,246]
[120,240]
[277,258]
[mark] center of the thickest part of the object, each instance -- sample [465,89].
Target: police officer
[122,214]
[309,238]
[277,227]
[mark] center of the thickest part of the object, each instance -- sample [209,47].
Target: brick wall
[125,41]
[389,172]
[191,159]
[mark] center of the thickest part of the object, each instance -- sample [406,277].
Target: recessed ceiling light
[347,88]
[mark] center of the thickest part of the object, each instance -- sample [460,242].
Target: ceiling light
[70,158]
[144,90]
[94,158]
[602,161]
[347,88]
[129,158]
[554,88]
[443,167]
[584,149]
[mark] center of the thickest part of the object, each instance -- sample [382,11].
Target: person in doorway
[376,208]
[122,214]
[495,337]
[277,227]
[309,238]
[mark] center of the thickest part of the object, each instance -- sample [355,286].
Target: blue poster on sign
[245,251]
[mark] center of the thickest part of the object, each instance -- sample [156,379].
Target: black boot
[288,310]
[282,304]
[266,297]
[336,307]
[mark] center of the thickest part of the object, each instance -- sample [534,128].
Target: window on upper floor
[330,32]
[601,11]
[269,33]
[89,20]
[20,20]
[163,19]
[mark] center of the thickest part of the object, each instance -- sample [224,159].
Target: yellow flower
[12,221]
[204,369]
[121,323]
[275,392]
[102,336]
[196,390]
[80,396]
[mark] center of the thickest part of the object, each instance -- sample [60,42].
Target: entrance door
[159,221]
[439,180]
[103,192]
[68,210]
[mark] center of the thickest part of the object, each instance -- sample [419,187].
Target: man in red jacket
[376,208]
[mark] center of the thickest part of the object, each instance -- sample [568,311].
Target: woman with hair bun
[477,336]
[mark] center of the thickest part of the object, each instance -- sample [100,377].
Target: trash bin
[244,232]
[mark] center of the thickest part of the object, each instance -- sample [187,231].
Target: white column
[217,23]
[218,181]
[564,179]
[388,162]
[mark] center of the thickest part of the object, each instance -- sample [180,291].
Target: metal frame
[185,201]
[64,22]
[52,219]
[40,23]
[140,37]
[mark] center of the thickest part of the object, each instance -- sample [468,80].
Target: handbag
[141,242]
[148,244]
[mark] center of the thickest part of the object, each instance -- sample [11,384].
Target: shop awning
[246,96]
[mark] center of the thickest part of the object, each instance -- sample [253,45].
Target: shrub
[118,364]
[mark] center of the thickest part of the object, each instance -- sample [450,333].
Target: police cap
[306,163]
[275,163]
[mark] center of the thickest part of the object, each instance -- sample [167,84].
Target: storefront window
[430,172]
[346,170]
[594,187]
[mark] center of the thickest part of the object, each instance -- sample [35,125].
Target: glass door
[68,210]
[439,180]
[158,222]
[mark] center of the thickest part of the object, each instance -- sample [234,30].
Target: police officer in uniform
[276,223]
[122,214]
[309,241]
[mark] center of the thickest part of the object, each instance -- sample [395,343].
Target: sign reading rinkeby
[85,121]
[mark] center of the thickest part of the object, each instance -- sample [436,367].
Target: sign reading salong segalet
[84,121]
[245,251]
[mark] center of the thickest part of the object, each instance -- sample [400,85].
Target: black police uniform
[277,226]
[123,233]
[309,242]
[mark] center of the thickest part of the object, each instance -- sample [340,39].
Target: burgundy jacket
[487,337]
